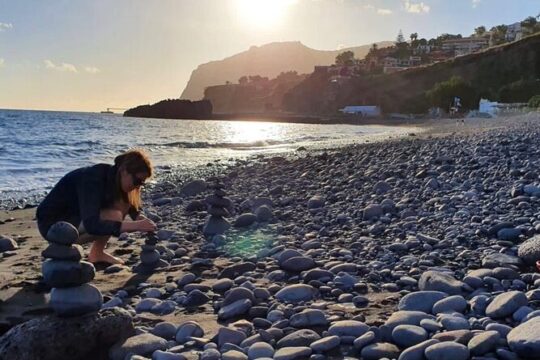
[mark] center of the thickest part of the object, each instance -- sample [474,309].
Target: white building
[364,111]
[514,32]
[465,46]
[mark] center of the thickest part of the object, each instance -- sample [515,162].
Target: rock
[382,187]
[460,336]
[63,233]
[308,318]
[505,304]
[421,300]
[449,304]
[196,205]
[406,318]
[187,330]
[165,355]
[229,335]
[164,234]
[73,338]
[529,251]
[194,187]
[438,281]
[372,211]
[509,234]
[483,343]
[447,351]
[63,273]
[298,264]
[302,337]
[296,293]
[416,352]
[348,328]
[263,213]
[235,270]
[524,339]
[166,330]
[378,351]
[260,350]
[196,298]
[497,259]
[7,244]
[237,308]
[234,355]
[144,344]
[315,202]
[215,225]
[63,252]
[325,344]
[245,220]
[74,301]
[408,335]
[238,293]
[290,353]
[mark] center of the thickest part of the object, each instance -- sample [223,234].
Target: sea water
[38,147]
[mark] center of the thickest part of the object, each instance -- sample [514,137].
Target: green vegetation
[443,93]
[345,59]
[534,102]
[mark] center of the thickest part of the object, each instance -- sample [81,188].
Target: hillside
[267,60]
[498,73]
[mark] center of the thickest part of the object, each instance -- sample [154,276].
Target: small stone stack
[150,258]
[218,208]
[71,295]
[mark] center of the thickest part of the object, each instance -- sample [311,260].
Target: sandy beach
[386,212]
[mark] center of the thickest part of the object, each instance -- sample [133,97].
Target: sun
[262,13]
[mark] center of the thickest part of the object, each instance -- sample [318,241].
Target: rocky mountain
[267,60]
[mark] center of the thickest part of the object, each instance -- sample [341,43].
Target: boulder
[194,187]
[143,344]
[523,339]
[245,220]
[75,301]
[7,244]
[63,233]
[439,281]
[73,338]
[529,251]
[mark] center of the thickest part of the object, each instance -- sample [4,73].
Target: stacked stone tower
[150,258]
[71,295]
[218,209]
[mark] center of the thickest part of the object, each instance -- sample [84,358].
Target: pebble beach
[422,247]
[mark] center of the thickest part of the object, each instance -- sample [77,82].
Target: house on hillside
[362,110]
[514,32]
[465,46]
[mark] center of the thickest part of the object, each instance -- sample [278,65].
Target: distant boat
[107,112]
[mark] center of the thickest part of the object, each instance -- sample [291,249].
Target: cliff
[507,72]
[173,109]
[267,60]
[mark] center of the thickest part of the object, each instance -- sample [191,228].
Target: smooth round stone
[529,250]
[439,281]
[325,344]
[452,303]
[525,338]
[218,211]
[296,293]
[379,351]
[238,293]
[290,353]
[230,335]
[234,355]
[260,350]
[215,225]
[63,233]
[298,264]
[155,293]
[165,355]
[75,301]
[421,300]
[505,304]
[237,308]
[315,202]
[245,220]
[147,304]
[150,257]
[348,328]
[430,325]
[63,273]
[165,330]
[447,351]
[408,335]
[454,323]
[502,329]
[196,298]
[406,318]
[222,285]
[63,252]
[416,352]
[210,354]
[7,244]
[302,337]
[187,330]
[187,278]
[143,344]
[460,336]
[364,340]
[263,213]
[308,318]
[483,343]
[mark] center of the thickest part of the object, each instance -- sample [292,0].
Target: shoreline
[466,161]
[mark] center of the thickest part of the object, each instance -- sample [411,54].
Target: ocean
[38,147]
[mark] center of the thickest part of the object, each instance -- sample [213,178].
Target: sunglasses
[137,182]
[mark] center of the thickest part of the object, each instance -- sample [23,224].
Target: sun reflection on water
[252,132]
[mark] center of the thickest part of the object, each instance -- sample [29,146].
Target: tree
[243,80]
[529,22]
[414,36]
[400,38]
[345,59]
[442,94]
[479,31]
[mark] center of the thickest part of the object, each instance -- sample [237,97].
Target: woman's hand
[144,225]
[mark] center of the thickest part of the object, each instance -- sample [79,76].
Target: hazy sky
[91,54]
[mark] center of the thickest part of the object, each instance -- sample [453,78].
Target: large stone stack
[150,258]
[71,295]
[219,207]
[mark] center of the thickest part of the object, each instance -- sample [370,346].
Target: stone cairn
[71,295]
[218,209]
[150,258]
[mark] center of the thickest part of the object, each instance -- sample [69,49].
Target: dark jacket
[79,197]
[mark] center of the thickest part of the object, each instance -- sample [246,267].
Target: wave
[233,145]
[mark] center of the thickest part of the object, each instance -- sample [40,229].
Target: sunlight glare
[262,13]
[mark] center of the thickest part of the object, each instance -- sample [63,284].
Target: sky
[88,55]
